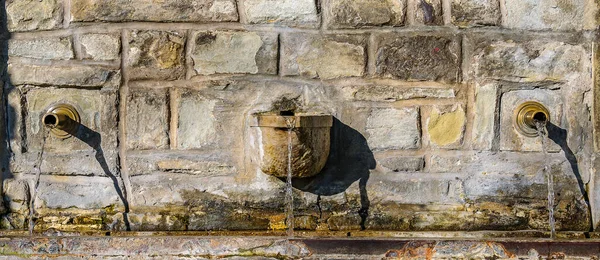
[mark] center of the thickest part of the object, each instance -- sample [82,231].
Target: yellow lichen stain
[277,222]
[446,128]
[168,55]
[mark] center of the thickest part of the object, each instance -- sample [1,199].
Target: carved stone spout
[310,140]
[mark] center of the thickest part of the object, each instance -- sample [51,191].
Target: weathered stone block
[510,138]
[80,192]
[98,113]
[295,13]
[147,119]
[394,93]
[93,148]
[73,75]
[196,123]
[140,10]
[418,57]
[528,61]
[325,57]
[402,163]
[28,15]
[156,55]
[96,46]
[486,110]
[446,126]
[51,48]
[355,14]
[394,129]
[506,163]
[234,52]
[476,12]
[202,168]
[16,193]
[541,15]
[403,189]
[428,12]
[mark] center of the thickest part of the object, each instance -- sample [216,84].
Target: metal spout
[528,114]
[62,120]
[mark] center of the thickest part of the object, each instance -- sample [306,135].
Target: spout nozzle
[528,116]
[52,121]
[62,120]
[540,117]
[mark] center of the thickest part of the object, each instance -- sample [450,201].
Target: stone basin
[310,140]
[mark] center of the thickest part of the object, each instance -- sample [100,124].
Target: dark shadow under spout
[94,140]
[559,136]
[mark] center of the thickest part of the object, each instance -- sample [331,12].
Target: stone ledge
[269,247]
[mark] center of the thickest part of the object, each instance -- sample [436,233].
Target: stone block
[50,48]
[147,119]
[58,192]
[294,13]
[428,12]
[29,15]
[446,126]
[234,52]
[156,55]
[476,162]
[418,58]
[193,167]
[383,93]
[476,12]
[486,110]
[412,189]
[97,110]
[528,61]
[543,15]
[192,164]
[510,138]
[361,13]
[197,126]
[402,163]
[16,193]
[72,75]
[163,11]
[78,154]
[324,57]
[392,128]
[98,46]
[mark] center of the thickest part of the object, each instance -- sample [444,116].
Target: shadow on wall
[350,160]
[94,140]
[559,136]
[6,111]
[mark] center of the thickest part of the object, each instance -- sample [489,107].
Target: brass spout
[62,120]
[527,115]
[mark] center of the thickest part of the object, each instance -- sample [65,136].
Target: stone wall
[422,93]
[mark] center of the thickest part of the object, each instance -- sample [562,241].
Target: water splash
[289,195]
[543,133]
[36,184]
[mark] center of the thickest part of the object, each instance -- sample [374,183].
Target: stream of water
[543,133]
[289,195]
[36,184]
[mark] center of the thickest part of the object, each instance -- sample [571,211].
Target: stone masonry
[422,93]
